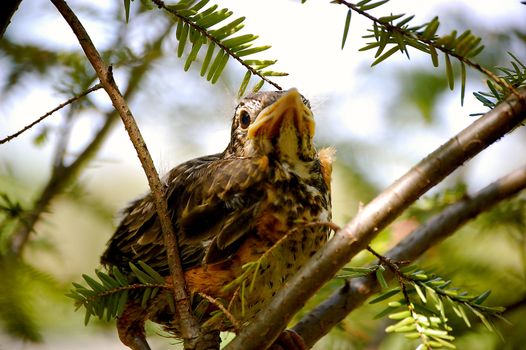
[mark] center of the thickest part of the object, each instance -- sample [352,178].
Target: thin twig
[228,314]
[60,106]
[189,326]
[204,32]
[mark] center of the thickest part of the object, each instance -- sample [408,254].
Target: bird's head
[278,124]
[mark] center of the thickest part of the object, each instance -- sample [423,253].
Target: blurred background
[381,120]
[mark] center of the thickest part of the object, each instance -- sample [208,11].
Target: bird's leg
[289,340]
[130,326]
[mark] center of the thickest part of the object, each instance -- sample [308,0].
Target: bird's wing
[212,202]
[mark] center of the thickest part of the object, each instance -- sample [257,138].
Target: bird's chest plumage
[284,238]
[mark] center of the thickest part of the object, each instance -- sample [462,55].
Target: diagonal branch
[321,319]
[380,212]
[60,106]
[187,322]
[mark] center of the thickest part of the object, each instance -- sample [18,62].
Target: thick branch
[357,234]
[320,320]
[187,322]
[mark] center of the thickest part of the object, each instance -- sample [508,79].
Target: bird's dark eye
[244,119]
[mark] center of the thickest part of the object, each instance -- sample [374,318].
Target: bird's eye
[244,119]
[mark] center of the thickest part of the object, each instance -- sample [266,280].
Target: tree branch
[357,234]
[188,324]
[60,106]
[320,320]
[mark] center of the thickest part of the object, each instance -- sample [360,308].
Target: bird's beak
[288,111]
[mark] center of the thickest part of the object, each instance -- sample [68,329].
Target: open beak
[288,111]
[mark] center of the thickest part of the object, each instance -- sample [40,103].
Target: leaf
[400,41]
[142,276]
[193,54]
[475,51]
[208,58]
[239,40]
[145,297]
[87,316]
[383,40]
[483,318]
[400,315]
[258,86]
[481,298]
[119,276]
[252,50]
[151,272]
[367,7]
[431,28]
[385,295]
[434,55]
[215,65]
[449,72]
[420,293]
[96,286]
[199,5]
[229,29]
[244,84]
[107,281]
[182,39]
[463,315]
[220,68]
[271,73]
[385,312]
[127,9]
[407,321]
[380,277]
[346,27]
[391,18]
[353,272]
[462,82]
[385,56]
[123,299]
[260,64]
[214,18]
[405,21]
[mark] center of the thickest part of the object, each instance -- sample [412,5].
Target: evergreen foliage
[394,33]
[200,27]
[107,296]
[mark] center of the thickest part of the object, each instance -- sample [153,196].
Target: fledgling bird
[250,203]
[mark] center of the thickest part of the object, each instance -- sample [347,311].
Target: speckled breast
[284,240]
